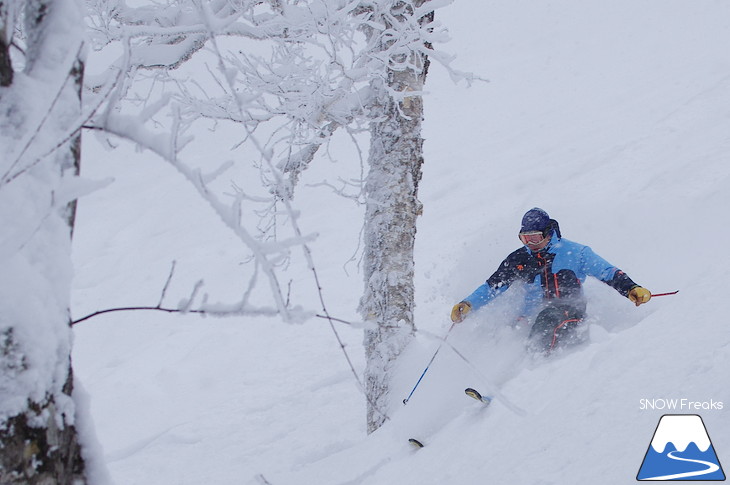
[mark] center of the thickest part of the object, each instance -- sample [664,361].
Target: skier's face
[534,240]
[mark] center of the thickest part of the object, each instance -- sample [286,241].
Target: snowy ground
[612,116]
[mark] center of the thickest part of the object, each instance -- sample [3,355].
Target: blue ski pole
[405,401]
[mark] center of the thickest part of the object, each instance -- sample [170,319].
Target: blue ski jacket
[557,271]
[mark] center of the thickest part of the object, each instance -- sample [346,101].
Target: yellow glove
[459,311]
[639,295]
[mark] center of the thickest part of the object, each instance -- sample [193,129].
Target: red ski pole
[664,294]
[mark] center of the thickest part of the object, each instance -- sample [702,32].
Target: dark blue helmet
[537,219]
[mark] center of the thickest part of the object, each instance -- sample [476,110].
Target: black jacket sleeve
[621,282]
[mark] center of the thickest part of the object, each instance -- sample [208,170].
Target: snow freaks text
[679,404]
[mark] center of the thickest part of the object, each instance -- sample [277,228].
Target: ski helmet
[537,219]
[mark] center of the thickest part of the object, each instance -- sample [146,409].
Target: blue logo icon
[681,450]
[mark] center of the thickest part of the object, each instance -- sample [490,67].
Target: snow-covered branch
[297,71]
[265,253]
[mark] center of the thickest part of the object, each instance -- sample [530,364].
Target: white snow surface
[612,116]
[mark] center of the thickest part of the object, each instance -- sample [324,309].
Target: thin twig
[134,308]
[167,283]
[199,311]
[262,480]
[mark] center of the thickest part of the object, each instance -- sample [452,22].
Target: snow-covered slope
[612,116]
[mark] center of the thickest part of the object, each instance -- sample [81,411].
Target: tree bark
[395,159]
[38,449]
[6,67]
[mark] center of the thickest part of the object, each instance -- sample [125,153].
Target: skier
[553,271]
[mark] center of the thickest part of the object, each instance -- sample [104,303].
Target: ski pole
[664,294]
[405,401]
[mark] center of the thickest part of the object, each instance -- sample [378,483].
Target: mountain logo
[680,450]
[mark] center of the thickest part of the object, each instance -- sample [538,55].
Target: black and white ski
[473,393]
[415,443]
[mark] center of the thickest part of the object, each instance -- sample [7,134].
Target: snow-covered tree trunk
[395,160]
[39,107]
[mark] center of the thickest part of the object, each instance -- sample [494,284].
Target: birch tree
[396,156]
[41,73]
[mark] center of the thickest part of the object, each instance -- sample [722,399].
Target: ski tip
[473,393]
[415,443]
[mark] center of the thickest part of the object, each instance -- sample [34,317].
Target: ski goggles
[532,237]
